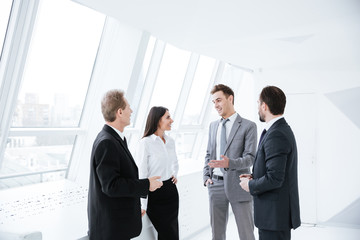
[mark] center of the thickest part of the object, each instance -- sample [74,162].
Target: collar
[271,122]
[121,134]
[153,137]
[232,117]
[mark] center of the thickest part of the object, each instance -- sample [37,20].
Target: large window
[50,116]
[59,65]
[57,74]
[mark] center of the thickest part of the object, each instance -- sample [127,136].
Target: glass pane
[198,91]
[184,145]
[34,154]
[232,76]
[5,8]
[170,78]
[147,58]
[59,65]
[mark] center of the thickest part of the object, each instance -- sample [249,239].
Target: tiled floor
[307,232]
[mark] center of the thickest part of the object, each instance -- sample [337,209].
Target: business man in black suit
[115,188]
[274,182]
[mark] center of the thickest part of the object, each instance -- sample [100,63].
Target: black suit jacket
[114,189]
[275,182]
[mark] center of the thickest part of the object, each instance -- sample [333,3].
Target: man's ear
[120,111]
[230,98]
[264,106]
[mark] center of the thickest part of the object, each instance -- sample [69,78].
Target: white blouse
[156,158]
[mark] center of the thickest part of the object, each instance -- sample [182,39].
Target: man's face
[126,114]
[222,104]
[261,111]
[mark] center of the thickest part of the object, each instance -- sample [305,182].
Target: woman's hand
[143,212]
[174,179]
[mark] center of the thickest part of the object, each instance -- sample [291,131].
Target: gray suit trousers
[219,211]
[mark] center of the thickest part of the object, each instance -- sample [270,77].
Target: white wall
[338,159]
[301,115]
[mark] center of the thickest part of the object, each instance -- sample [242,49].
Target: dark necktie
[125,142]
[223,136]
[262,136]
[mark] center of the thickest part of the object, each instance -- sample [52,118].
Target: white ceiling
[265,36]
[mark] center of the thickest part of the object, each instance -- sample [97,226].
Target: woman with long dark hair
[156,156]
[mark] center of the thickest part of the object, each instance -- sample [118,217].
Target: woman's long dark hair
[153,120]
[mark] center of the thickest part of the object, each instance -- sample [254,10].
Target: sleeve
[248,156]
[277,148]
[141,159]
[108,169]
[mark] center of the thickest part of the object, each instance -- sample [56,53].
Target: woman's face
[165,122]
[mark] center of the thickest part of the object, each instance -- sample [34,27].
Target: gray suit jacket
[240,149]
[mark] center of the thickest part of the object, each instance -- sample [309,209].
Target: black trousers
[274,235]
[163,211]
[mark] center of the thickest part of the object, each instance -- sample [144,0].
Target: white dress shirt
[156,158]
[271,122]
[228,126]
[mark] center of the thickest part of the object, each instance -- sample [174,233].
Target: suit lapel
[122,143]
[214,132]
[272,128]
[264,138]
[234,129]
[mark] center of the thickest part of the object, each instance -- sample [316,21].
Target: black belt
[217,177]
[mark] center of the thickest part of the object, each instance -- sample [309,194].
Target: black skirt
[163,211]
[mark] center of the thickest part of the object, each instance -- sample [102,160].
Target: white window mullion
[13,60]
[185,90]
[137,78]
[149,84]
[18,132]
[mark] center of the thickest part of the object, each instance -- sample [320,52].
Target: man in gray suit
[230,152]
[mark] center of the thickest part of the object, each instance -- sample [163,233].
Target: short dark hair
[153,119]
[112,101]
[225,89]
[275,98]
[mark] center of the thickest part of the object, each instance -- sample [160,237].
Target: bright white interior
[310,49]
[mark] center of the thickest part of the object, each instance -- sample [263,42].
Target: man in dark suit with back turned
[274,182]
[115,188]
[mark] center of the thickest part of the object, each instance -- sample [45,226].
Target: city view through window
[53,90]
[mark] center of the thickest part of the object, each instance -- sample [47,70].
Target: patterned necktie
[223,136]
[262,136]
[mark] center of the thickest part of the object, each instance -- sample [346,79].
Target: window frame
[16,46]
